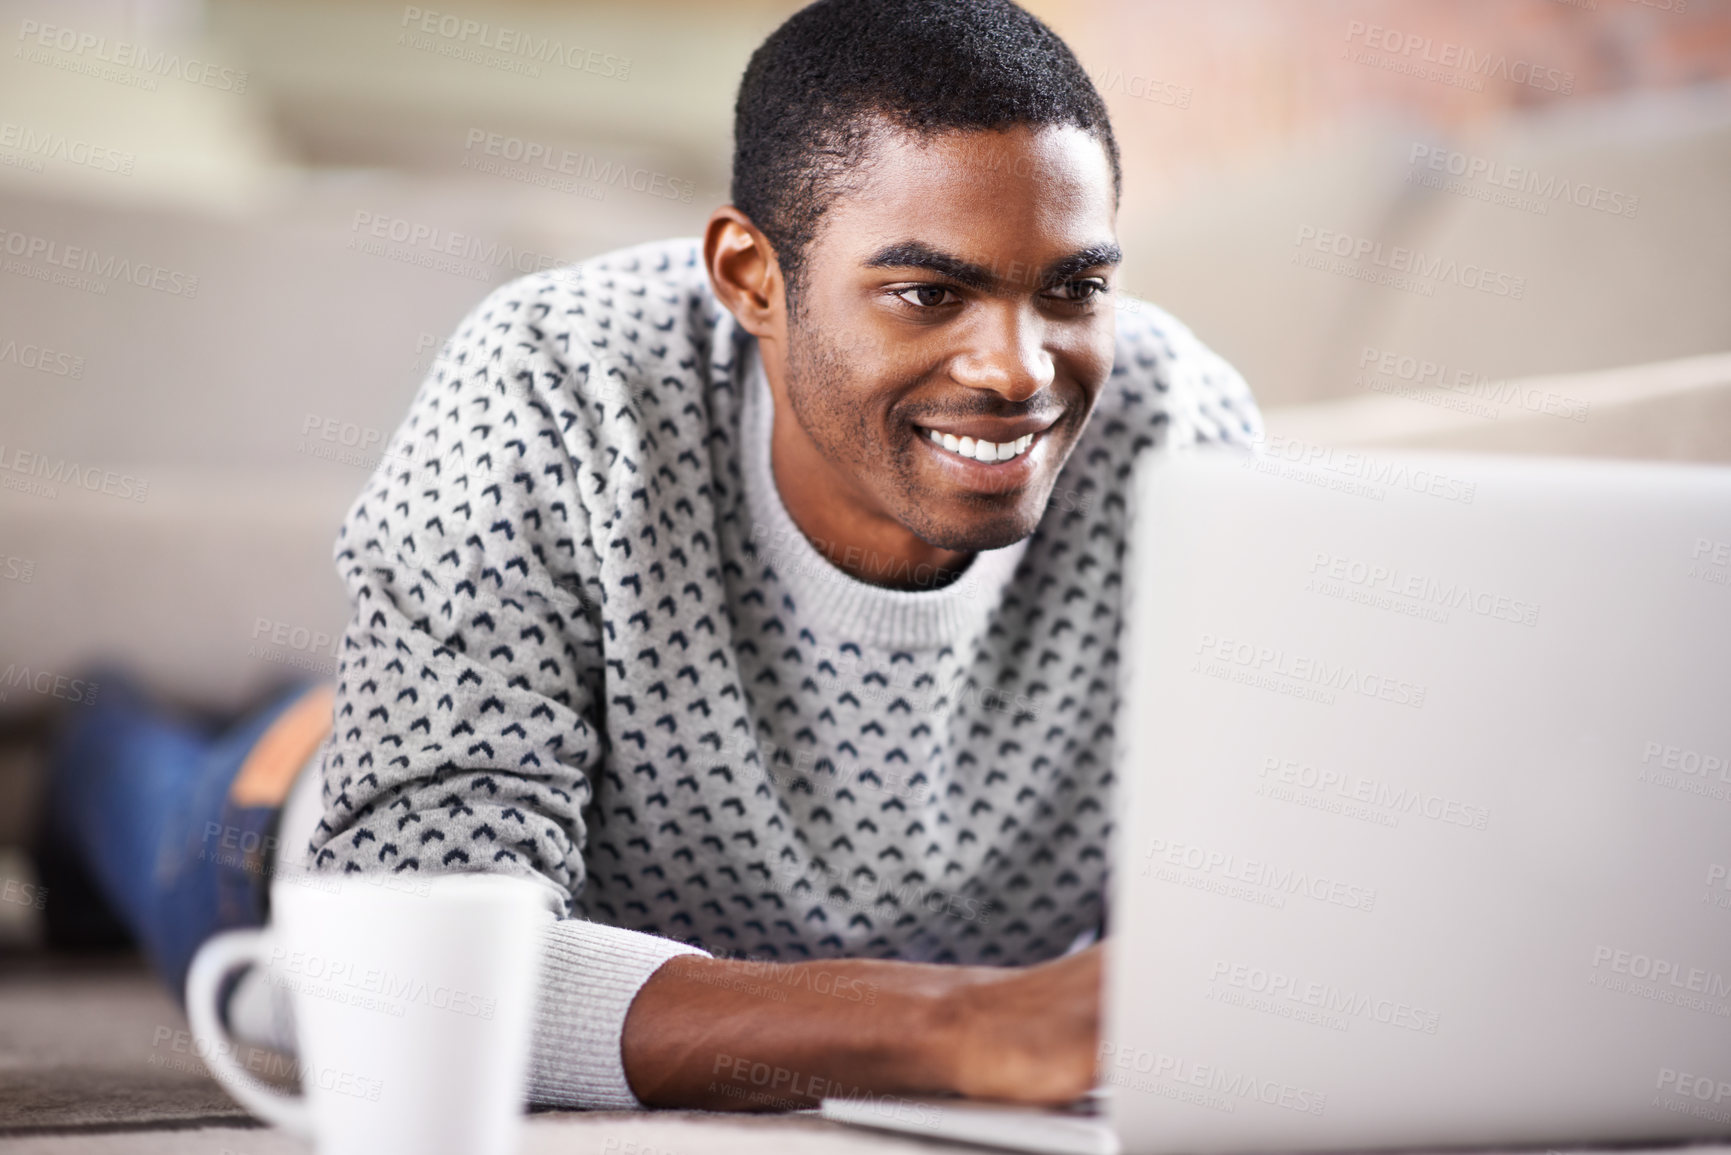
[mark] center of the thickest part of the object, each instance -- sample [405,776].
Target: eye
[927,296]
[1080,291]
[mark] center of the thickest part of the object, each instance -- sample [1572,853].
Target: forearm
[729,1035]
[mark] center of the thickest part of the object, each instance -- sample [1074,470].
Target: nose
[1005,353]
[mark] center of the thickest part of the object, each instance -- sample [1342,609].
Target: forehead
[1021,192]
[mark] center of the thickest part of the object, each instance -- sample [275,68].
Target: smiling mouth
[987,452]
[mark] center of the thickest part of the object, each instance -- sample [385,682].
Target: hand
[1027,1034]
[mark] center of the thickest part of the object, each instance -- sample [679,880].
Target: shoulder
[621,307]
[603,349]
[539,421]
[1168,388]
[552,381]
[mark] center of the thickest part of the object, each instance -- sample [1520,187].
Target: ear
[744,272]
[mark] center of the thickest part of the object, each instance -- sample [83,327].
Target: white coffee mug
[413,1009]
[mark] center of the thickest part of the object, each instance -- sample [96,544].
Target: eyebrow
[917,255]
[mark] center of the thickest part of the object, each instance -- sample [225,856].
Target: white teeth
[987,451]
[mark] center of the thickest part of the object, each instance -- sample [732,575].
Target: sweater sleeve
[589,975]
[467,724]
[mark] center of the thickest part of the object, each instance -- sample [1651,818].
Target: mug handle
[214,961]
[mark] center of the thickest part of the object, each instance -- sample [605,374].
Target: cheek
[1087,354]
[1103,348]
[833,400]
[1095,370]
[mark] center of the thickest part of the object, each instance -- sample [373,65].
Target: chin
[976,531]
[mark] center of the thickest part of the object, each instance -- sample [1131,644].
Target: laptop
[1426,837]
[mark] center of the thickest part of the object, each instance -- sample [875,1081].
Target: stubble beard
[820,391]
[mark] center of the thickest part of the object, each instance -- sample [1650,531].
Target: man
[760,597]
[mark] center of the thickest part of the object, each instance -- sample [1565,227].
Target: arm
[467,724]
[729,1035]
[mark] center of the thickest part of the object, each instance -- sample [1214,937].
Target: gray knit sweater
[590,646]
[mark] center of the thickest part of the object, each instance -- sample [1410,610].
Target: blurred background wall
[228,230]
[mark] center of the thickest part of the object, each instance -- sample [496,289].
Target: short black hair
[816,89]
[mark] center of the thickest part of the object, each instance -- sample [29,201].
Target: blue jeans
[141,801]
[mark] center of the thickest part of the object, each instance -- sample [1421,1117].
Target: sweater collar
[824,593]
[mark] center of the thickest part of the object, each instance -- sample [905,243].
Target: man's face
[963,289]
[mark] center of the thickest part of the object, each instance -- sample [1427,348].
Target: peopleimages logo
[58,146]
[299,646]
[344,981]
[88,49]
[1411,46]
[518,49]
[807,770]
[1691,1094]
[1366,473]
[62,471]
[1700,772]
[1710,561]
[861,892]
[1543,188]
[334,439]
[1253,872]
[1693,979]
[1718,878]
[49,251]
[1381,578]
[1231,1086]
[786,1089]
[1399,261]
[1142,87]
[1372,792]
[446,242]
[21,893]
[1403,374]
[1275,662]
[41,359]
[771,978]
[47,683]
[1702,1087]
[552,162]
[1327,998]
